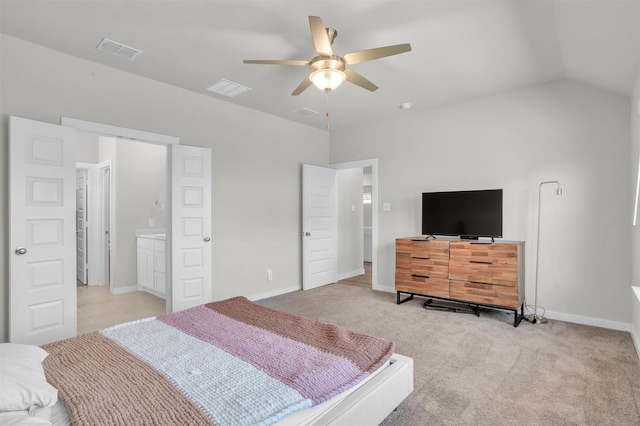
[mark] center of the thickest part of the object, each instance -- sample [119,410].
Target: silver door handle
[21,250]
[307,234]
[207,239]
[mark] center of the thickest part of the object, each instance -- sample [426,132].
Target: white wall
[256,158]
[86,148]
[635,234]
[350,223]
[140,179]
[567,131]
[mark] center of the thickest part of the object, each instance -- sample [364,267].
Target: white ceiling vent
[118,49]
[304,111]
[228,88]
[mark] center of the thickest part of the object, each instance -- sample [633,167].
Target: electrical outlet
[269,275]
[152,223]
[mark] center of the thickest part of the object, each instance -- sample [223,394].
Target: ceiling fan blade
[358,80]
[302,86]
[320,37]
[276,62]
[377,53]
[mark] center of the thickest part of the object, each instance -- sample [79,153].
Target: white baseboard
[595,322]
[635,317]
[273,293]
[351,274]
[636,340]
[385,288]
[122,290]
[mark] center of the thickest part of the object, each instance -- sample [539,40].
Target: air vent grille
[228,88]
[304,111]
[118,49]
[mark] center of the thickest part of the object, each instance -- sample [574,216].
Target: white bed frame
[369,404]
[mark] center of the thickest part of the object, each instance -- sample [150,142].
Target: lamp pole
[536,319]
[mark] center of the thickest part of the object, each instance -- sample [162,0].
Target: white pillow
[24,385]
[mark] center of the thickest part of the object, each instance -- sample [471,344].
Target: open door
[319,226]
[190,226]
[42,286]
[81,225]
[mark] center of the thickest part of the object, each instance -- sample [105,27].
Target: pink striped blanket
[225,363]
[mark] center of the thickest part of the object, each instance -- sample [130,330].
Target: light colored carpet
[484,371]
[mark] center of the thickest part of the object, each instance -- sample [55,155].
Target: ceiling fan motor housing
[327,63]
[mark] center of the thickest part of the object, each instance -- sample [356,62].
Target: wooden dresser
[472,272]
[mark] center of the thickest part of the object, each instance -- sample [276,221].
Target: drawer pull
[419,276]
[481,262]
[423,258]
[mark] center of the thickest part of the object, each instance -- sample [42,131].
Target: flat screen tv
[467,214]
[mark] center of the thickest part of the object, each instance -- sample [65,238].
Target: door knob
[308,234]
[21,250]
[207,239]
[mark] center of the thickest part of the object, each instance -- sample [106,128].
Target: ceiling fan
[328,71]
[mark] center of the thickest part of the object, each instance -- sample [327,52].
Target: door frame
[373,163]
[103,221]
[89,170]
[116,132]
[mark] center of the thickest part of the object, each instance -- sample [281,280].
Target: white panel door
[190,226]
[81,226]
[42,287]
[319,226]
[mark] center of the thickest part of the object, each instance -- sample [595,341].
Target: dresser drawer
[423,249]
[437,287]
[487,294]
[437,268]
[485,263]
[483,272]
[497,254]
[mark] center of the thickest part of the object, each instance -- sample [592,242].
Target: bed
[231,362]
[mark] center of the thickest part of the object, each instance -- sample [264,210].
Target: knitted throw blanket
[225,363]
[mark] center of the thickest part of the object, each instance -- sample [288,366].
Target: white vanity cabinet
[151,264]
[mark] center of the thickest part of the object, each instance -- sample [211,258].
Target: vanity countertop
[152,233]
[153,236]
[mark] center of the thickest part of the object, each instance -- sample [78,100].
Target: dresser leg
[398,301]
[517,317]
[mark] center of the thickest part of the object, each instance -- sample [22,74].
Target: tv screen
[468,214]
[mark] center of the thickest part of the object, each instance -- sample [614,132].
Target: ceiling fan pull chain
[327,114]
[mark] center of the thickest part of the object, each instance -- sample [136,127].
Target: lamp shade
[327,79]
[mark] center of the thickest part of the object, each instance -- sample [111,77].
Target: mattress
[227,362]
[307,417]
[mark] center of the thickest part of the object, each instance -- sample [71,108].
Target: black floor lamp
[539,319]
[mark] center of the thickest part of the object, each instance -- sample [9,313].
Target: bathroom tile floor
[98,309]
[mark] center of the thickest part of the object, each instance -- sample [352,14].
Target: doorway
[97,143]
[93,218]
[140,210]
[369,201]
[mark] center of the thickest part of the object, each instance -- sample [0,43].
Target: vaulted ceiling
[460,49]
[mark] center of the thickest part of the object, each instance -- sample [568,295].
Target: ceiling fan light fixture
[327,79]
